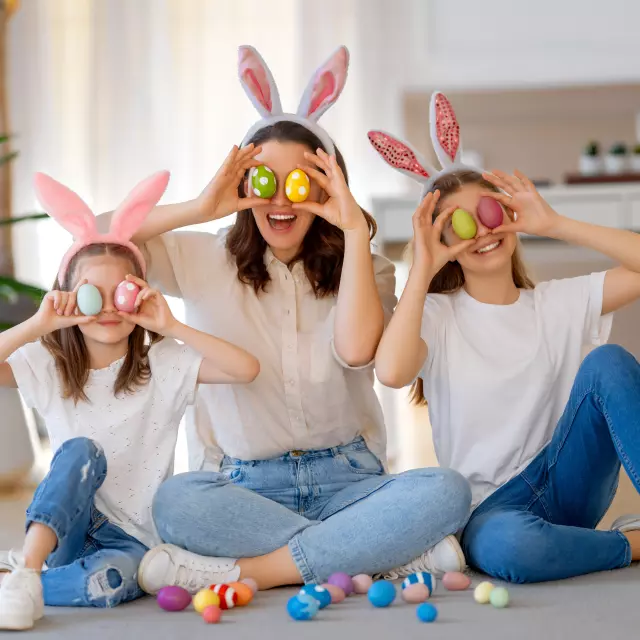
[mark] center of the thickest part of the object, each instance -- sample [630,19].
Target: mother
[290,486]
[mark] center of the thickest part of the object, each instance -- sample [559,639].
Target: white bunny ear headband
[446,140]
[74,215]
[321,93]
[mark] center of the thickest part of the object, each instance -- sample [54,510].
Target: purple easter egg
[173,598]
[343,581]
[490,212]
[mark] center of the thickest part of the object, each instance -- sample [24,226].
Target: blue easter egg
[422,577]
[426,612]
[302,607]
[318,593]
[89,300]
[381,593]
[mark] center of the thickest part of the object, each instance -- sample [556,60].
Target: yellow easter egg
[297,186]
[205,598]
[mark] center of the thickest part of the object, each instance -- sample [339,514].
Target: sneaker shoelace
[421,563]
[192,579]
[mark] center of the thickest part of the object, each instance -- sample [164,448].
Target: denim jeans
[335,508]
[95,563]
[541,525]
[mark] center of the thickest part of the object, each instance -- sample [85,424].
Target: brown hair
[322,250]
[68,348]
[451,277]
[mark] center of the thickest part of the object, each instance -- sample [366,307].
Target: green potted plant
[616,159]
[634,160]
[590,160]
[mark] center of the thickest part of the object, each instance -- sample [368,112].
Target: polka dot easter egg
[262,181]
[297,186]
[125,296]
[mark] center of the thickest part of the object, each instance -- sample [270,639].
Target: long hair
[451,277]
[322,250]
[68,348]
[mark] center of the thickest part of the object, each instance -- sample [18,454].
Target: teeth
[489,247]
[281,216]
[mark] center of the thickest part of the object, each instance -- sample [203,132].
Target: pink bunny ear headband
[323,90]
[72,213]
[445,137]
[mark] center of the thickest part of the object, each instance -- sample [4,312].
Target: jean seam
[628,558]
[301,561]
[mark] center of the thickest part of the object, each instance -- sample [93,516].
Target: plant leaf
[9,157]
[10,287]
[26,217]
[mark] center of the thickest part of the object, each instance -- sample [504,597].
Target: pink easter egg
[173,598]
[416,593]
[337,594]
[455,581]
[125,296]
[212,614]
[490,212]
[361,583]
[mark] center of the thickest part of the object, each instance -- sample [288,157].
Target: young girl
[112,388]
[295,462]
[539,435]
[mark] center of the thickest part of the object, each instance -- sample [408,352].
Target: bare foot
[634,540]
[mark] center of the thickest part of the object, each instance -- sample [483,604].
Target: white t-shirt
[497,378]
[137,431]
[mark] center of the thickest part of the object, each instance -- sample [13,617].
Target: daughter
[539,433]
[112,389]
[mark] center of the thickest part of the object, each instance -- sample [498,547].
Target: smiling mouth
[281,221]
[108,323]
[489,248]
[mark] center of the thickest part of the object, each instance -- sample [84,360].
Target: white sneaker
[626,523]
[13,559]
[168,565]
[21,601]
[445,556]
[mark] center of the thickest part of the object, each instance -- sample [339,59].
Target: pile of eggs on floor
[416,589]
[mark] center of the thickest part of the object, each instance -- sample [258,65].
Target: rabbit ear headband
[72,213]
[446,140]
[321,93]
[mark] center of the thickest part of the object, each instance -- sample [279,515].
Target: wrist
[173,329]
[34,329]
[560,228]
[358,233]
[420,276]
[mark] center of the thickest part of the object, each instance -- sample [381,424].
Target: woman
[290,485]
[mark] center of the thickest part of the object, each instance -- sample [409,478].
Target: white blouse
[305,397]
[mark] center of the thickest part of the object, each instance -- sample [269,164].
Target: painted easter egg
[499,598]
[343,581]
[297,186]
[228,596]
[416,593]
[89,300]
[125,296]
[427,612]
[490,212]
[212,615]
[262,181]
[173,598]
[205,598]
[319,593]
[243,591]
[463,224]
[337,594]
[302,607]
[482,593]
[361,583]
[381,593]
[421,577]
[252,584]
[455,581]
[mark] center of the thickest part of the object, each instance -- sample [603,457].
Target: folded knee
[610,361]
[87,453]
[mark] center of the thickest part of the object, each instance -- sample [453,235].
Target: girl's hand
[153,312]
[340,209]
[429,252]
[59,310]
[533,215]
[220,197]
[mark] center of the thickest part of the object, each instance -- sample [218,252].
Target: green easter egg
[89,300]
[263,182]
[463,224]
[499,598]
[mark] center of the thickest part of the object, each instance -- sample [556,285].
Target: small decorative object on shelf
[634,160]
[616,160]
[590,160]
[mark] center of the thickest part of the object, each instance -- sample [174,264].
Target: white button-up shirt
[305,396]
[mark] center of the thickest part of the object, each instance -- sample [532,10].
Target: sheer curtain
[104,92]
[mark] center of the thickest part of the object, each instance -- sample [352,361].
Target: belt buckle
[297,453]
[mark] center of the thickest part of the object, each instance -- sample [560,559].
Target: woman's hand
[430,254]
[533,215]
[340,208]
[59,310]
[220,197]
[152,310]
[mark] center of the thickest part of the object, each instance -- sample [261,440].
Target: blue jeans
[335,509]
[541,525]
[95,563]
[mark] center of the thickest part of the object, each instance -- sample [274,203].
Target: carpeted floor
[604,606]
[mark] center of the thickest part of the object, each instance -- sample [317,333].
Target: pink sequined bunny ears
[445,137]
[323,90]
[72,213]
